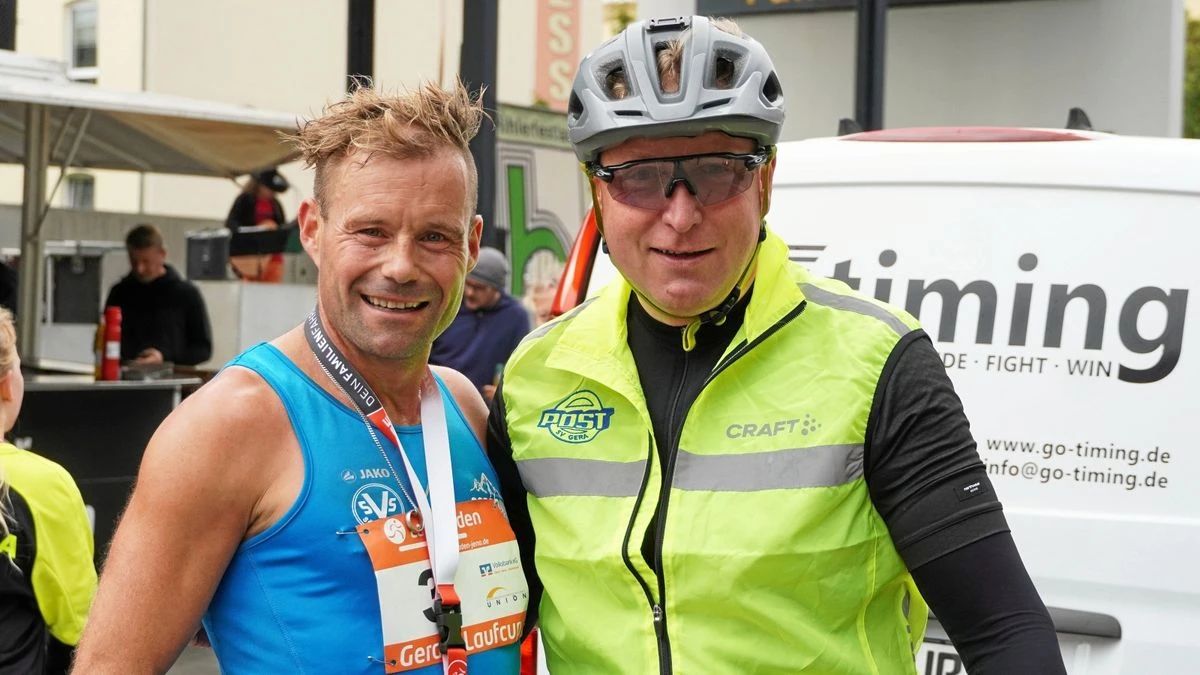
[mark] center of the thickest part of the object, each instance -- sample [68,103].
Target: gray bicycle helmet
[750,106]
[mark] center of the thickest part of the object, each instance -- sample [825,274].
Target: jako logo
[1053,302]
[577,418]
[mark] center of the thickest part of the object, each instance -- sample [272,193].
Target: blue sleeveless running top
[301,596]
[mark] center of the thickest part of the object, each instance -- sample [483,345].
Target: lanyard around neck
[440,513]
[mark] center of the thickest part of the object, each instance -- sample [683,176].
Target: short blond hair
[8,341]
[410,124]
[670,61]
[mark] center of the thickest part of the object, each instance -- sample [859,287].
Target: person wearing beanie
[488,327]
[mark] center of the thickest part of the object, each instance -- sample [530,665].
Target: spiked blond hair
[407,125]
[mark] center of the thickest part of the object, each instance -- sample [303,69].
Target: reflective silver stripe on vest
[550,325]
[818,466]
[820,296]
[564,477]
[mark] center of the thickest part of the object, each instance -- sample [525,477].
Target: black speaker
[208,254]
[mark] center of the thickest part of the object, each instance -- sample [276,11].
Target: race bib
[490,584]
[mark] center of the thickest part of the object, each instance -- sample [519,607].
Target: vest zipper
[660,611]
[740,351]
[655,610]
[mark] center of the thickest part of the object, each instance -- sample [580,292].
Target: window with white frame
[81,41]
[81,191]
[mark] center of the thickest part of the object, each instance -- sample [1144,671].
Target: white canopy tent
[46,119]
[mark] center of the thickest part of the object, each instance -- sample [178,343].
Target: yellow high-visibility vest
[773,557]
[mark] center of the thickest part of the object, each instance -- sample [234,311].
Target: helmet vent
[714,104]
[771,89]
[628,113]
[616,85]
[574,106]
[727,64]
[724,73]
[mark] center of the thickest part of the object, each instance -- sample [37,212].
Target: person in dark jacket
[163,317]
[257,203]
[257,206]
[488,327]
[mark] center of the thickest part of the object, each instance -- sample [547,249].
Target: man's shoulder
[512,311]
[237,400]
[123,285]
[836,296]
[180,284]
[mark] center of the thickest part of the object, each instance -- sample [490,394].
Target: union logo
[578,418]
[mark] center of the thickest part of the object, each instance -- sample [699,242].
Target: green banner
[532,126]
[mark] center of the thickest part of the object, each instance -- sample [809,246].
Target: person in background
[489,326]
[163,318]
[542,275]
[258,206]
[47,575]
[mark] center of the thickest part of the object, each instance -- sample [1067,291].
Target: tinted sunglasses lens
[711,179]
[715,179]
[642,185]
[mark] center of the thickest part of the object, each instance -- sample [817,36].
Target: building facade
[974,62]
[291,56]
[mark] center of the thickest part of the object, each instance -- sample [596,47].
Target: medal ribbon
[439,513]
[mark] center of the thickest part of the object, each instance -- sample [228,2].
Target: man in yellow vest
[730,464]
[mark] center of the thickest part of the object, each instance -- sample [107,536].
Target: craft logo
[577,418]
[374,501]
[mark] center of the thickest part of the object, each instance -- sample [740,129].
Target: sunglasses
[711,178]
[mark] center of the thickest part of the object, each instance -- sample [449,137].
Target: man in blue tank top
[324,505]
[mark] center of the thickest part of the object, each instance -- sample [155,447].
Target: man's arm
[515,500]
[928,484]
[197,332]
[200,490]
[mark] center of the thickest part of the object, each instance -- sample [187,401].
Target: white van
[1053,271]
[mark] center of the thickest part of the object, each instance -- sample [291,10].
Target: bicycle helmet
[726,83]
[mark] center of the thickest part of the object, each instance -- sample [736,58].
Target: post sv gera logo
[577,418]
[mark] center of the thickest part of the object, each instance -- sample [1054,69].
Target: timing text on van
[1054,302]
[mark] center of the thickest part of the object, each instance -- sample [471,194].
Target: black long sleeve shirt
[167,314]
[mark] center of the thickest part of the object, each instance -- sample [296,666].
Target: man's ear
[766,181]
[309,217]
[6,387]
[474,234]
